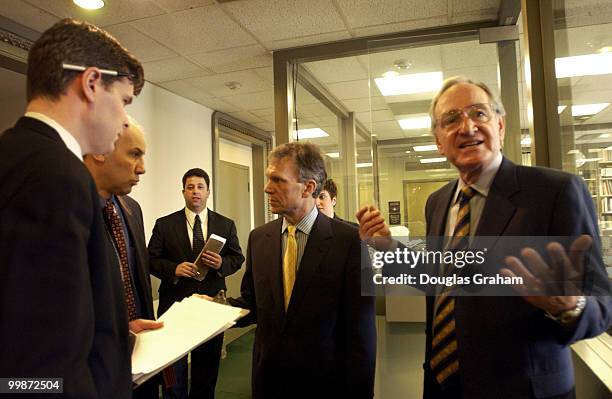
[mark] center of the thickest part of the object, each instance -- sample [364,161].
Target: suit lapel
[180,227]
[498,210]
[211,224]
[274,272]
[441,213]
[319,243]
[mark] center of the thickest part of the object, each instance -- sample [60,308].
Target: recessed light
[432,160]
[89,4]
[312,133]
[605,49]
[410,84]
[333,154]
[588,109]
[364,165]
[416,122]
[422,148]
[390,74]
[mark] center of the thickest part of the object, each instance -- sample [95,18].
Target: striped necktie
[289,264]
[444,359]
[198,237]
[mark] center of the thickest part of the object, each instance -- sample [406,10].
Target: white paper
[187,324]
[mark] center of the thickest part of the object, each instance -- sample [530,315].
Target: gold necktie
[289,264]
[444,358]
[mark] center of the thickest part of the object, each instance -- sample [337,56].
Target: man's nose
[467,124]
[140,168]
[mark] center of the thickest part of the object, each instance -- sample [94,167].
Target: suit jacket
[142,280]
[169,245]
[62,306]
[507,347]
[345,221]
[325,344]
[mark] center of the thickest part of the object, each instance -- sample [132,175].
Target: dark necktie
[198,237]
[444,359]
[114,223]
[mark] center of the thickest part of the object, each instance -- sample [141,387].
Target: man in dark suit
[71,321]
[177,240]
[316,334]
[511,347]
[327,199]
[115,174]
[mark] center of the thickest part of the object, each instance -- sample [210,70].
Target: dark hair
[78,43]
[196,172]
[330,187]
[308,161]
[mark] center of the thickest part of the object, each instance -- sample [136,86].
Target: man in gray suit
[511,347]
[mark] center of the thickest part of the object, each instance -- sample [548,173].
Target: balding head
[117,172]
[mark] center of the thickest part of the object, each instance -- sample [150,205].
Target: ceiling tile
[383,115]
[193,31]
[486,74]
[219,105]
[264,112]
[401,26]
[461,6]
[360,13]
[145,48]
[265,126]
[453,55]
[246,116]
[347,90]
[179,5]
[25,14]
[184,89]
[272,20]
[484,15]
[307,40]
[266,74]
[252,100]
[114,12]
[337,70]
[418,60]
[234,59]
[216,84]
[172,69]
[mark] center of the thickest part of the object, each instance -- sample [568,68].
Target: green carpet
[234,381]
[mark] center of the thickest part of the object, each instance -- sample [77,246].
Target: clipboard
[214,244]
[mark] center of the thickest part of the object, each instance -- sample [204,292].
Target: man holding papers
[316,335]
[176,242]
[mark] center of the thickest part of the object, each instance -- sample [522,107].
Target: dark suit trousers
[205,361]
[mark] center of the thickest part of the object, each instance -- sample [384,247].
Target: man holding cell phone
[176,242]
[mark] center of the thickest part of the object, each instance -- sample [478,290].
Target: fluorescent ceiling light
[432,160]
[561,108]
[604,136]
[364,165]
[333,154]
[583,65]
[409,84]
[417,122]
[311,133]
[588,109]
[89,4]
[429,147]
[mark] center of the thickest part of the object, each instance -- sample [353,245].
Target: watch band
[569,316]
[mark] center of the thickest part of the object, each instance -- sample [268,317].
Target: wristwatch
[569,316]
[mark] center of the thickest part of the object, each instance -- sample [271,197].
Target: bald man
[115,174]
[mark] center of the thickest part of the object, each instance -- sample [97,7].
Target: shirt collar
[68,139]
[483,184]
[190,215]
[304,225]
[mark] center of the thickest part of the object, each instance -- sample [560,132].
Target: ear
[438,143]
[502,130]
[90,82]
[99,158]
[309,188]
[334,200]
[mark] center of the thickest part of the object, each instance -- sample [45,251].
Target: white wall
[241,155]
[178,135]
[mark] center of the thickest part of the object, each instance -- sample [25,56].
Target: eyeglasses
[478,113]
[81,68]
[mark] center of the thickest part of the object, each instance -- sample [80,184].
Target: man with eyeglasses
[62,307]
[513,346]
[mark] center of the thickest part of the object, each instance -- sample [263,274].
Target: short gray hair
[308,161]
[498,107]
